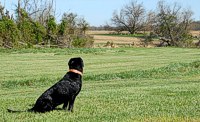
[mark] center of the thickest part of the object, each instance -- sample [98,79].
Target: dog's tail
[18,111]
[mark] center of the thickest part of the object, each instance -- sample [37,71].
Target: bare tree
[131,17]
[38,10]
[172,23]
[150,20]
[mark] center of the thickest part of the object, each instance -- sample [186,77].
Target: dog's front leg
[71,103]
[65,105]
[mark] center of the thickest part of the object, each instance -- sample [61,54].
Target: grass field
[122,84]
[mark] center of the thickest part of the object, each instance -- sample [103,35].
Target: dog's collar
[75,71]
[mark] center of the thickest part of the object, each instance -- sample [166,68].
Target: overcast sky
[98,12]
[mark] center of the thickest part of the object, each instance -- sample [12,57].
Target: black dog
[63,92]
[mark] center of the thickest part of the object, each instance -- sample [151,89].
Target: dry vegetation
[102,40]
[116,40]
[195,33]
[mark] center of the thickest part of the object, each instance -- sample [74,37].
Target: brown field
[195,33]
[101,40]
[117,40]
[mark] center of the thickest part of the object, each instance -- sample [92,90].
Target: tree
[71,22]
[9,33]
[35,24]
[37,10]
[131,17]
[150,20]
[71,31]
[68,24]
[51,29]
[83,25]
[172,23]
[29,22]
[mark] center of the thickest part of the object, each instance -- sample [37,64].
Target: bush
[82,41]
[40,32]
[9,33]
[26,31]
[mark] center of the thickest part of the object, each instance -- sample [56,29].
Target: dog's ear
[81,61]
[71,61]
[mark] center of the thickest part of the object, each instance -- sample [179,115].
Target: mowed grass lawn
[123,84]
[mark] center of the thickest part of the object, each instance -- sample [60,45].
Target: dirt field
[195,33]
[101,40]
[117,40]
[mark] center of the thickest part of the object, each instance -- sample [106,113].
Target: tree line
[170,22]
[34,24]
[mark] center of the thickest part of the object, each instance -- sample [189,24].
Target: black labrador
[63,92]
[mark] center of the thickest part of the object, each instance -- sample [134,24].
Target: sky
[99,12]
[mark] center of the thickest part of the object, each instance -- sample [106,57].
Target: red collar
[75,71]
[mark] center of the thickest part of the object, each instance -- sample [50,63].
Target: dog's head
[76,63]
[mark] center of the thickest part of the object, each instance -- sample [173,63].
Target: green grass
[124,84]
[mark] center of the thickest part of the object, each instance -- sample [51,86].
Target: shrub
[9,33]
[82,41]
